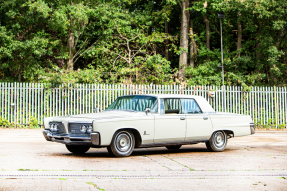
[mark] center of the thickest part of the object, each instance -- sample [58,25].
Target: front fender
[143,130]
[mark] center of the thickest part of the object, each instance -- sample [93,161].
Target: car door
[198,124]
[170,124]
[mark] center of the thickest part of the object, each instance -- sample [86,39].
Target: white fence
[20,101]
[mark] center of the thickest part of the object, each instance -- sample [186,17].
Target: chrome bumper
[92,139]
[252,128]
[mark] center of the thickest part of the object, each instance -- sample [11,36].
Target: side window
[154,107]
[172,106]
[189,106]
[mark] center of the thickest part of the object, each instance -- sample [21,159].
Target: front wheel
[77,149]
[217,142]
[123,144]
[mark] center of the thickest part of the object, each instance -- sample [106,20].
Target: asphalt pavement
[256,162]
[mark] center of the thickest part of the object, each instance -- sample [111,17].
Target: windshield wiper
[127,110]
[120,110]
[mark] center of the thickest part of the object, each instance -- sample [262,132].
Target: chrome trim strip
[81,122]
[173,143]
[60,137]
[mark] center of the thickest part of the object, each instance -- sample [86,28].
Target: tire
[123,144]
[110,151]
[217,141]
[173,147]
[77,149]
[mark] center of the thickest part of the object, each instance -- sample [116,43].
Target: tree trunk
[71,46]
[183,39]
[239,36]
[166,41]
[130,57]
[207,31]
[282,32]
[193,50]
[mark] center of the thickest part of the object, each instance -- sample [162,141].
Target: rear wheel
[123,144]
[77,149]
[173,147]
[217,142]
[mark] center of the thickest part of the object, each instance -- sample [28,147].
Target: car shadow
[138,152]
[161,151]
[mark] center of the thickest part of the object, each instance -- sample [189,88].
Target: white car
[135,121]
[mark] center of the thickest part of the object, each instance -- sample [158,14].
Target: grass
[62,179]
[90,183]
[21,169]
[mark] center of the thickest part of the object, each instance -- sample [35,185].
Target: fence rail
[19,102]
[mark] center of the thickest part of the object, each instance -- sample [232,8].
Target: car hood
[97,116]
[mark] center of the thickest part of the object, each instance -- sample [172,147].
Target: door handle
[182,118]
[205,118]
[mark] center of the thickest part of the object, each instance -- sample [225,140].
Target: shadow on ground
[138,152]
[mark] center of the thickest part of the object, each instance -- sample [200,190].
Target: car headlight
[90,129]
[53,127]
[84,128]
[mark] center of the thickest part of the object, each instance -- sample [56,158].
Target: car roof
[166,95]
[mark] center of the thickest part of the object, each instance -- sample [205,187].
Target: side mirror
[147,110]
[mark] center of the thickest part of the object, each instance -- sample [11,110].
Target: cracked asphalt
[257,162]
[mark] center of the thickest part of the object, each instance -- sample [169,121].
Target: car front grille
[75,128]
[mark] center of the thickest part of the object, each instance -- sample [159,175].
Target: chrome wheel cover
[123,142]
[219,139]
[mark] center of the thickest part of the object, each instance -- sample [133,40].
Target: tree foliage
[137,41]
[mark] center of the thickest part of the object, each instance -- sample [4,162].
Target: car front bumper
[252,128]
[92,139]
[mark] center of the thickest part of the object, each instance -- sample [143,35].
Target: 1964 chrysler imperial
[145,121]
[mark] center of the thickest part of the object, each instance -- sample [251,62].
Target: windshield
[135,103]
